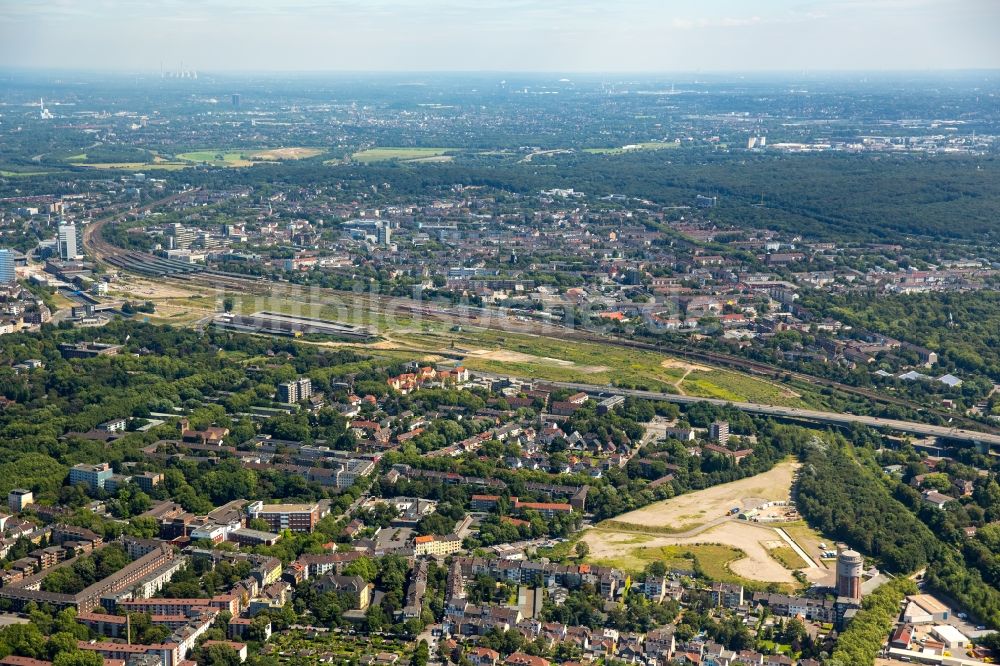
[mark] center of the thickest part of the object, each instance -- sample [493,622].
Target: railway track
[492,319]
[495,320]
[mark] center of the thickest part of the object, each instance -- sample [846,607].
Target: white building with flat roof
[950,636]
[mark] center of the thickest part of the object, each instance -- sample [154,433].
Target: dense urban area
[481,371]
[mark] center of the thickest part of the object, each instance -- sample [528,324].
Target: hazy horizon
[493,36]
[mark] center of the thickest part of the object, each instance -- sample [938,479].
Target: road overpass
[795,413]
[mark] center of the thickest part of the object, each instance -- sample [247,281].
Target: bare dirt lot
[703,517]
[686,512]
[750,538]
[136,287]
[677,364]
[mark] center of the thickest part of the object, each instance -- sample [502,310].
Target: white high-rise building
[67,242]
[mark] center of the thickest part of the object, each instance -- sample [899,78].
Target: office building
[294,517]
[235,100]
[19,498]
[67,242]
[180,237]
[92,476]
[384,234]
[294,392]
[7,274]
[849,567]
[352,470]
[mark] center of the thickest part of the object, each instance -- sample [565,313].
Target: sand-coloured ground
[703,517]
[135,287]
[751,538]
[677,364]
[692,510]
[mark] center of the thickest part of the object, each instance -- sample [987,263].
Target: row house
[818,610]
[605,579]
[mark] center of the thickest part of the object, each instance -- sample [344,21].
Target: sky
[500,35]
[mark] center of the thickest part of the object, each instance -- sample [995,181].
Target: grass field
[713,559]
[808,539]
[61,301]
[228,158]
[787,556]
[401,154]
[22,174]
[570,361]
[247,157]
[134,166]
[278,154]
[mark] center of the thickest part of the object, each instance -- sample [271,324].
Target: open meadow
[402,155]
[571,361]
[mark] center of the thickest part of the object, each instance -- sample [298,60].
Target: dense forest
[962,327]
[843,493]
[862,197]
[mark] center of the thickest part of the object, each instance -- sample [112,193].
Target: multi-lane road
[792,413]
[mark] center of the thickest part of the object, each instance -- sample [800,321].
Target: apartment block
[294,517]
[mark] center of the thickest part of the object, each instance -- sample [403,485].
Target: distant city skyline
[500,35]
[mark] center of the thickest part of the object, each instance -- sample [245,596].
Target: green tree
[421,654]
[78,658]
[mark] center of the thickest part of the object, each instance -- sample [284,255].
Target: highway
[795,413]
